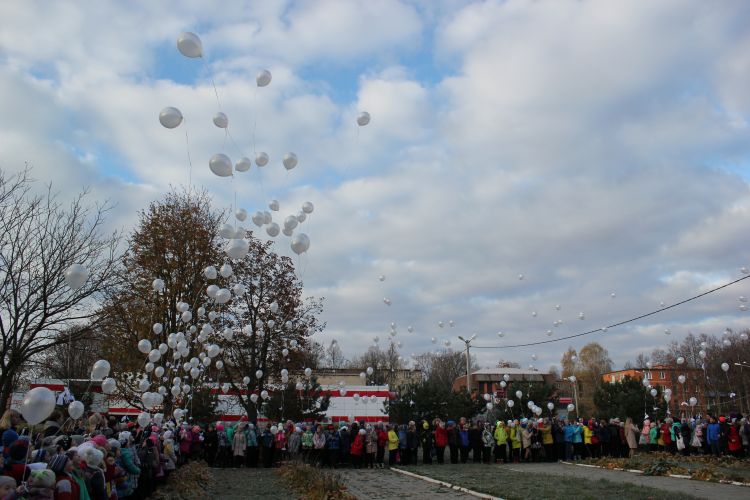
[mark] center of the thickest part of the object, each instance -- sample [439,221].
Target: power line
[559,339]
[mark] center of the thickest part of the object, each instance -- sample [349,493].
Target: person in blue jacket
[569,433]
[463,435]
[713,436]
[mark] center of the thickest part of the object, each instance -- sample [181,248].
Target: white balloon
[693,401]
[240,214]
[108,385]
[301,217]
[237,248]
[186,316]
[259,374]
[725,367]
[158,285]
[571,407]
[290,161]
[680,360]
[287,231]
[149,367]
[519,394]
[226,270]
[308,208]
[267,217]
[189,45]
[75,276]
[221,120]
[100,369]
[194,372]
[157,328]
[219,364]
[221,165]
[300,244]
[274,205]
[223,296]
[225,231]
[510,403]
[369,370]
[144,384]
[261,159]
[37,405]
[363,118]
[243,165]
[654,392]
[144,418]
[308,372]
[681,379]
[285,352]
[264,394]
[263,78]
[290,222]
[144,346]
[159,371]
[75,410]
[550,406]
[154,355]
[170,117]
[254,398]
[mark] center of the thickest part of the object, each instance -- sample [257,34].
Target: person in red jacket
[382,441]
[66,487]
[357,450]
[441,439]
[734,442]
[666,436]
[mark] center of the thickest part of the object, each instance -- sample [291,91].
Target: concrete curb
[676,476]
[447,485]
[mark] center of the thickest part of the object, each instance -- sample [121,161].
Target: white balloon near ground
[75,276]
[363,118]
[221,165]
[300,243]
[170,117]
[189,45]
[243,165]
[37,405]
[290,161]
[263,78]
[221,120]
[261,159]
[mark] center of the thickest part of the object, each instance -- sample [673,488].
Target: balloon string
[255,116]
[231,138]
[216,93]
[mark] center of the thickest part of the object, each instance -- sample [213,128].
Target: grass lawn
[513,485]
[250,483]
[699,467]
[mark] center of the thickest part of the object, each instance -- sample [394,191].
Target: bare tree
[41,238]
[443,368]
[334,357]
[71,359]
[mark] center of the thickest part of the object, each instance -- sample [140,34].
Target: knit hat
[9,437]
[113,443]
[43,478]
[100,440]
[19,449]
[425,425]
[58,463]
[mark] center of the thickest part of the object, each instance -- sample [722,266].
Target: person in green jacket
[501,442]
[307,443]
[653,436]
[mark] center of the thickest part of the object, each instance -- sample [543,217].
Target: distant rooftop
[508,371]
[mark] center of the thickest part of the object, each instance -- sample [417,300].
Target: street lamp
[573,380]
[468,345]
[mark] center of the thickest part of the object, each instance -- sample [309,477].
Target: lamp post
[468,345]
[573,380]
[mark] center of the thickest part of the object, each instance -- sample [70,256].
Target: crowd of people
[361,444]
[105,459]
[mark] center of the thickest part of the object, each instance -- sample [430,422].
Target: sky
[595,148]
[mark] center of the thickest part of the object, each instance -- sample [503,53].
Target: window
[662,376]
[648,375]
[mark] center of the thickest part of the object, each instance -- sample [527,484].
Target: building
[664,376]
[487,380]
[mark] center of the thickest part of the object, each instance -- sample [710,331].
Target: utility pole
[468,360]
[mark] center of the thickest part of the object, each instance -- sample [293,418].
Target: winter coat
[714,433]
[239,443]
[463,436]
[357,445]
[66,488]
[392,440]
[501,436]
[294,442]
[577,434]
[307,440]
[734,444]
[402,439]
[546,435]
[487,439]
[426,439]
[475,437]
[515,437]
[412,442]
[631,436]
[95,483]
[653,435]
[441,437]
[346,441]
[372,441]
[319,441]
[251,437]
[382,438]
[587,433]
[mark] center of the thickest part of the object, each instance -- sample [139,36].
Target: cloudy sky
[594,147]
